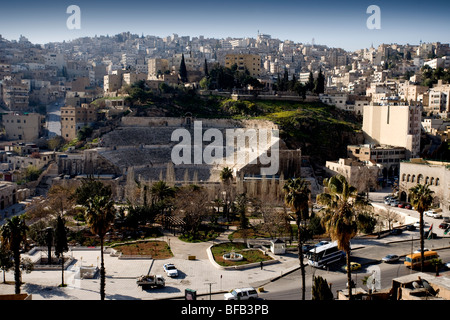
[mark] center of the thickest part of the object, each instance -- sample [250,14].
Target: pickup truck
[151,281]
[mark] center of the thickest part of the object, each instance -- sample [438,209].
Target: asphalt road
[53,118]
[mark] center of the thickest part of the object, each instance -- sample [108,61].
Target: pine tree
[310,83]
[321,290]
[183,70]
[206,70]
[319,85]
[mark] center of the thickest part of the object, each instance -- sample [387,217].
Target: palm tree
[421,197]
[226,176]
[340,200]
[296,196]
[100,213]
[61,245]
[161,190]
[13,234]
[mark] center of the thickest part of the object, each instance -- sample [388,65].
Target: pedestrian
[261,264]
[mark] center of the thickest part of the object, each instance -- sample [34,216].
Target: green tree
[319,84]
[183,70]
[226,177]
[90,187]
[13,236]
[321,290]
[6,261]
[421,198]
[100,214]
[61,245]
[296,196]
[310,83]
[341,200]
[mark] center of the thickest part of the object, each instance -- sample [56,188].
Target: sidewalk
[121,275]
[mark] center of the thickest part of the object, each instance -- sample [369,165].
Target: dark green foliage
[321,290]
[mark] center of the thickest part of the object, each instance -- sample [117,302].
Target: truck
[151,281]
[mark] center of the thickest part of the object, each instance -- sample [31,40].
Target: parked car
[446,219]
[396,231]
[433,214]
[170,270]
[241,294]
[354,266]
[401,205]
[410,227]
[408,206]
[394,203]
[424,249]
[447,265]
[390,258]
[417,224]
[444,225]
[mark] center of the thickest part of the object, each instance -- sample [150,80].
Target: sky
[340,24]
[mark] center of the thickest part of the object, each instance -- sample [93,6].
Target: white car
[433,214]
[242,294]
[170,270]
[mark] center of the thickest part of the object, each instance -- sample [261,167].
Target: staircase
[45,180]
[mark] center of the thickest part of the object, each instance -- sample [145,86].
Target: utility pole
[210,284]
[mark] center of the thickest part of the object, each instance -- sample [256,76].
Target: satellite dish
[374,280]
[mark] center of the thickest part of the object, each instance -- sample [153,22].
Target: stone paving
[121,275]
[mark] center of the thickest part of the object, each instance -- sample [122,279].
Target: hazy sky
[333,23]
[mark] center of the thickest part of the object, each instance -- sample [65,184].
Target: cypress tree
[183,70]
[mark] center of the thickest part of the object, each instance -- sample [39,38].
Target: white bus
[321,257]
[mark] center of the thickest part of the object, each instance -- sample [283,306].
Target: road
[288,287]
[53,122]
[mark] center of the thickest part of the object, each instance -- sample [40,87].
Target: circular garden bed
[249,255]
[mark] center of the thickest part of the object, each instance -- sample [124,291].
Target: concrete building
[75,118]
[388,157]
[251,62]
[24,127]
[362,175]
[155,66]
[434,173]
[15,95]
[395,125]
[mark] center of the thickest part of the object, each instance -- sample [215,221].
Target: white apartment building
[395,125]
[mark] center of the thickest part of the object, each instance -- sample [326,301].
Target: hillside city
[87,170]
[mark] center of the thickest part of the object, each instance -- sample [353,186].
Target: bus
[413,260]
[321,257]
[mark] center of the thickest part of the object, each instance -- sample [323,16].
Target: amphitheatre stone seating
[146,146]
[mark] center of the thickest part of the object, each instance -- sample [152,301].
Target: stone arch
[403,196]
[437,181]
[432,181]
[419,178]
[413,178]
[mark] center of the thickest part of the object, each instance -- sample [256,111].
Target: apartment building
[75,118]
[437,100]
[112,82]
[388,157]
[394,125]
[24,127]
[362,175]
[251,62]
[15,95]
[156,66]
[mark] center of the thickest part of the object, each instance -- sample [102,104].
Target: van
[242,294]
